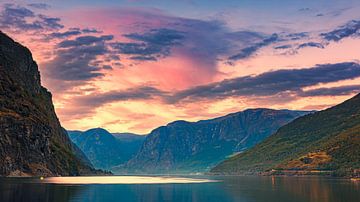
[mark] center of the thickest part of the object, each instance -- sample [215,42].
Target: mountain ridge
[104,149]
[327,141]
[182,146]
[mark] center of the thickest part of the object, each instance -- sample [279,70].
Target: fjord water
[207,189]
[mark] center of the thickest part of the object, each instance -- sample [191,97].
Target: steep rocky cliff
[32,141]
[183,147]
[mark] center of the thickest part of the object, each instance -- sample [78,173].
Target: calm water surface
[197,189]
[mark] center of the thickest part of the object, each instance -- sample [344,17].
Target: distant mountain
[104,149]
[183,147]
[32,142]
[326,142]
[129,137]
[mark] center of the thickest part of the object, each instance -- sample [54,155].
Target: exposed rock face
[32,141]
[106,150]
[182,147]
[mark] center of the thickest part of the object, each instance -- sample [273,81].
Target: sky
[134,65]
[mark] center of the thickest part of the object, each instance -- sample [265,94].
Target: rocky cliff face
[32,141]
[197,146]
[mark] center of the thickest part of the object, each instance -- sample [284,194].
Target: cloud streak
[251,50]
[334,91]
[351,28]
[270,83]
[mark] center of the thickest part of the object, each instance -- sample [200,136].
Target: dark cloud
[84,40]
[249,51]
[108,67]
[270,83]
[150,45]
[65,34]
[50,22]
[334,91]
[39,5]
[76,59]
[12,15]
[74,64]
[311,44]
[283,47]
[164,37]
[350,29]
[297,36]
[17,18]
[144,58]
[139,49]
[205,42]
[87,30]
[245,36]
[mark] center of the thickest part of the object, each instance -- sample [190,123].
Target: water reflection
[154,193]
[295,189]
[227,189]
[24,190]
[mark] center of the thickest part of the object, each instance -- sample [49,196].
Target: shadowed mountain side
[104,149]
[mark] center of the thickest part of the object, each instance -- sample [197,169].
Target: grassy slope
[335,131]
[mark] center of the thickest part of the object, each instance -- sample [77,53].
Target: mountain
[104,149]
[129,137]
[183,147]
[32,141]
[323,142]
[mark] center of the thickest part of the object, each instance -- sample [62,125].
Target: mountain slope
[325,141]
[32,141]
[197,146]
[104,149]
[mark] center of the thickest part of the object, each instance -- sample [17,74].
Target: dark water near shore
[226,189]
